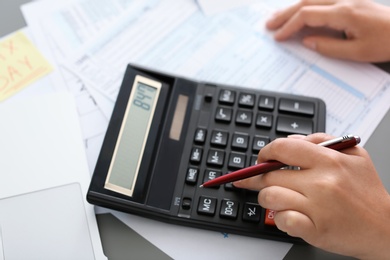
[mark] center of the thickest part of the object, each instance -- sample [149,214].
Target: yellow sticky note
[20,64]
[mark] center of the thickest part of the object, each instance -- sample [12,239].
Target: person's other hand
[336,201]
[366,26]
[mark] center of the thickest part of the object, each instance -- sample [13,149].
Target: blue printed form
[234,48]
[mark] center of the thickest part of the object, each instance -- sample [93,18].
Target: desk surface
[112,230]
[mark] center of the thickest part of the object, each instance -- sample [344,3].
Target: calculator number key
[237,160]
[240,141]
[259,142]
[229,209]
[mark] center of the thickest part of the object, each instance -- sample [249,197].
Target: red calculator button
[269,217]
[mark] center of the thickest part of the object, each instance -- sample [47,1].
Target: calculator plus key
[244,117]
[294,125]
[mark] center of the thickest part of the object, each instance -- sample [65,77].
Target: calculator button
[244,117]
[200,135]
[266,102]
[259,142]
[294,125]
[269,217]
[253,160]
[215,157]
[227,96]
[219,138]
[264,120]
[237,160]
[230,187]
[240,141]
[210,175]
[196,155]
[224,114]
[186,204]
[192,175]
[296,106]
[252,212]
[246,100]
[207,205]
[229,209]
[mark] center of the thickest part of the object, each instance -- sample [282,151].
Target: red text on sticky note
[20,64]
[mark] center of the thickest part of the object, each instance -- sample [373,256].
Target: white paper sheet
[41,147]
[218,6]
[233,48]
[46,224]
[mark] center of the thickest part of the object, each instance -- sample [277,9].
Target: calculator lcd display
[130,145]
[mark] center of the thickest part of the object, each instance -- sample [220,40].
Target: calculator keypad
[234,128]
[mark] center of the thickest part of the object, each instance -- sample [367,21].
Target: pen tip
[201,186]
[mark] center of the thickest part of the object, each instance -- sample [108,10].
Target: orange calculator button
[269,217]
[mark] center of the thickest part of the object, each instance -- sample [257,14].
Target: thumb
[332,47]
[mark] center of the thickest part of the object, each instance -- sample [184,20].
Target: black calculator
[167,135]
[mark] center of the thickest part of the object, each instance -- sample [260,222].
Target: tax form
[233,48]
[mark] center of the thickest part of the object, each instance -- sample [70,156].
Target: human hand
[336,201]
[366,25]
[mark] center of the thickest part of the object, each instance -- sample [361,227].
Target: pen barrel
[343,145]
[335,144]
[245,173]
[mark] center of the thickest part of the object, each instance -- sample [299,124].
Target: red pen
[338,143]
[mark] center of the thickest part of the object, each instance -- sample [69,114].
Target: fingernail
[310,44]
